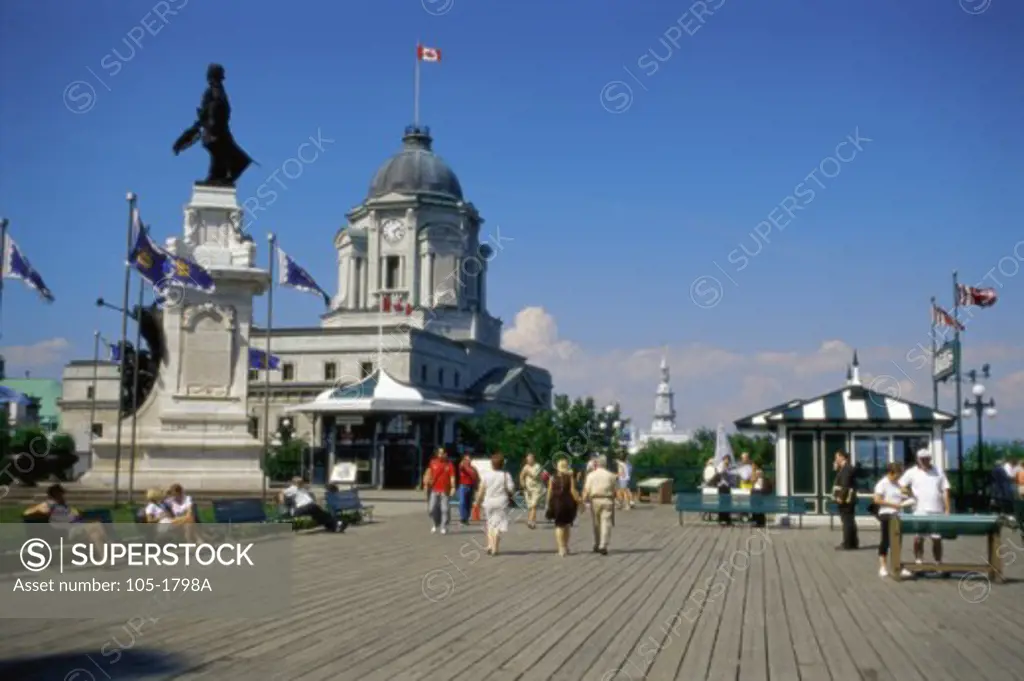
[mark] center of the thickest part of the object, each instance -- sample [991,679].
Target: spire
[664,403]
[855,362]
[849,375]
[853,376]
[664,369]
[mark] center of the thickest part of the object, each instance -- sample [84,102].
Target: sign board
[947,359]
[344,472]
[349,420]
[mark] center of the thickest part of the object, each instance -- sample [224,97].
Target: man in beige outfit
[599,491]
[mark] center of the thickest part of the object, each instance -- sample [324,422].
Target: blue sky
[612,215]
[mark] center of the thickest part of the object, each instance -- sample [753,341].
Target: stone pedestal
[193,428]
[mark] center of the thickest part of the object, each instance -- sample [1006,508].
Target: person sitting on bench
[302,502]
[64,518]
[183,511]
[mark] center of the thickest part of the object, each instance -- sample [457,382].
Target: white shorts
[933,536]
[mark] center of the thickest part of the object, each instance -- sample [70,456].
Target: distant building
[663,427]
[44,412]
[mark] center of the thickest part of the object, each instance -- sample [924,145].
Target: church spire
[664,403]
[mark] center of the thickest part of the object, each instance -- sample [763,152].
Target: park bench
[346,503]
[861,509]
[747,504]
[239,511]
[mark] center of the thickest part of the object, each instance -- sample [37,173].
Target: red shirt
[467,475]
[441,472]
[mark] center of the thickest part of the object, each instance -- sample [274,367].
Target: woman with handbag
[494,497]
[563,503]
[887,502]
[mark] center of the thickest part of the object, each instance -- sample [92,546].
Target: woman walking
[494,497]
[889,499]
[529,482]
[563,503]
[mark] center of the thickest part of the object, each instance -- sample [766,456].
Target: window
[287,371]
[456,379]
[423,374]
[254,375]
[365,369]
[254,426]
[90,392]
[97,429]
[391,272]
[440,376]
[330,371]
[871,454]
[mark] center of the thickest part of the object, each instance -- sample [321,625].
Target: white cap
[924,453]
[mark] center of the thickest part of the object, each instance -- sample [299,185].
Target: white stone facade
[663,425]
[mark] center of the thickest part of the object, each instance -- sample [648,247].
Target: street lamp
[979,407]
[612,423]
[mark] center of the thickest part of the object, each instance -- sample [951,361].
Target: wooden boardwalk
[391,602]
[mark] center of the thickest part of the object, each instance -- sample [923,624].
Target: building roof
[416,169]
[851,404]
[379,393]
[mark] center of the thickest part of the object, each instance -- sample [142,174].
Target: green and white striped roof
[850,405]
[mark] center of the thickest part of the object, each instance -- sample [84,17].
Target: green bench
[346,503]
[861,509]
[748,504]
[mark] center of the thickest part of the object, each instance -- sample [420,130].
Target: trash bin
[665,492]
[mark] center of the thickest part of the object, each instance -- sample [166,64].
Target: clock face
[393,231]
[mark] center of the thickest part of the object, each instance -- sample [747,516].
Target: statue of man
[227,160]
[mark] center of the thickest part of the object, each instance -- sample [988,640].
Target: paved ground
[389,601]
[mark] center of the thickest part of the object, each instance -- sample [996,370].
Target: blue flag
[298,278]
[188,273]
[16,266]
[147,258]
[258,360]
[115,352]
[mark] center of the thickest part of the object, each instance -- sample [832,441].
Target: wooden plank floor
[389,601]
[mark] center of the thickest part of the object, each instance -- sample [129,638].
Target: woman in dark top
[563,500]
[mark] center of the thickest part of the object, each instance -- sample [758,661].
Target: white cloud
[718,385]
[42,355]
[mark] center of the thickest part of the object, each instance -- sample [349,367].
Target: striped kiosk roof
[850,404]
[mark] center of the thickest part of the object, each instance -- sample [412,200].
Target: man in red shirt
[440,479]
[468,477]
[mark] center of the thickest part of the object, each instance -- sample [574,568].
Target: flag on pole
[424,53]
[294,276]
[258,360]
[188,273]
[981,297]
[17,266]
[942,318]
[148,259]
[722,446]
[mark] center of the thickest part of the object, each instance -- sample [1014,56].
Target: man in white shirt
[599,490]
[930,488]
[302,502]
[745,471]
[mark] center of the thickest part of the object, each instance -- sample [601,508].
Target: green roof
[46,390]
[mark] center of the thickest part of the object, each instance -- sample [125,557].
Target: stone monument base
[221,464]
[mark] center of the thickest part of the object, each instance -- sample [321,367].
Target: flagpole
[124,339]
[95,377]
[959,398]
[266,364]
[380,330]
[416,90]
[135,391]
[935,349]
[3,262]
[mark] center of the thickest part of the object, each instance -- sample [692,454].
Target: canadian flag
[942,318]
[401,307]
[982,297]
[428,53]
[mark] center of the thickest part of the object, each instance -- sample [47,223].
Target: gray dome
[415,170]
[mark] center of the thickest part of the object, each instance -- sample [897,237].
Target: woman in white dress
[493,497]
[156,512]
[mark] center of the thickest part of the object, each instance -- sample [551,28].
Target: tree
[993,451]
[32,455]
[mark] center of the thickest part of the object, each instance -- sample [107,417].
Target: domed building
[408,348]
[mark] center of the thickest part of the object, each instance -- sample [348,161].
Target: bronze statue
[227,160]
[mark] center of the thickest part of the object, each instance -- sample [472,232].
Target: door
[831,443]
[803,468]
[401,466]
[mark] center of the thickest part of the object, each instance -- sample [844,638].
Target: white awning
[378,393]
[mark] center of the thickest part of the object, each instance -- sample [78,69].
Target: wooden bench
[347,503]
[239,511]
[948,527]
[748,504]
[861,509]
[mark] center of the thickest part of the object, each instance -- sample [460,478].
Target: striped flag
[981,297]
[942,318]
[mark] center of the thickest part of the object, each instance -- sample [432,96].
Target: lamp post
[979,407]
[611,424]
